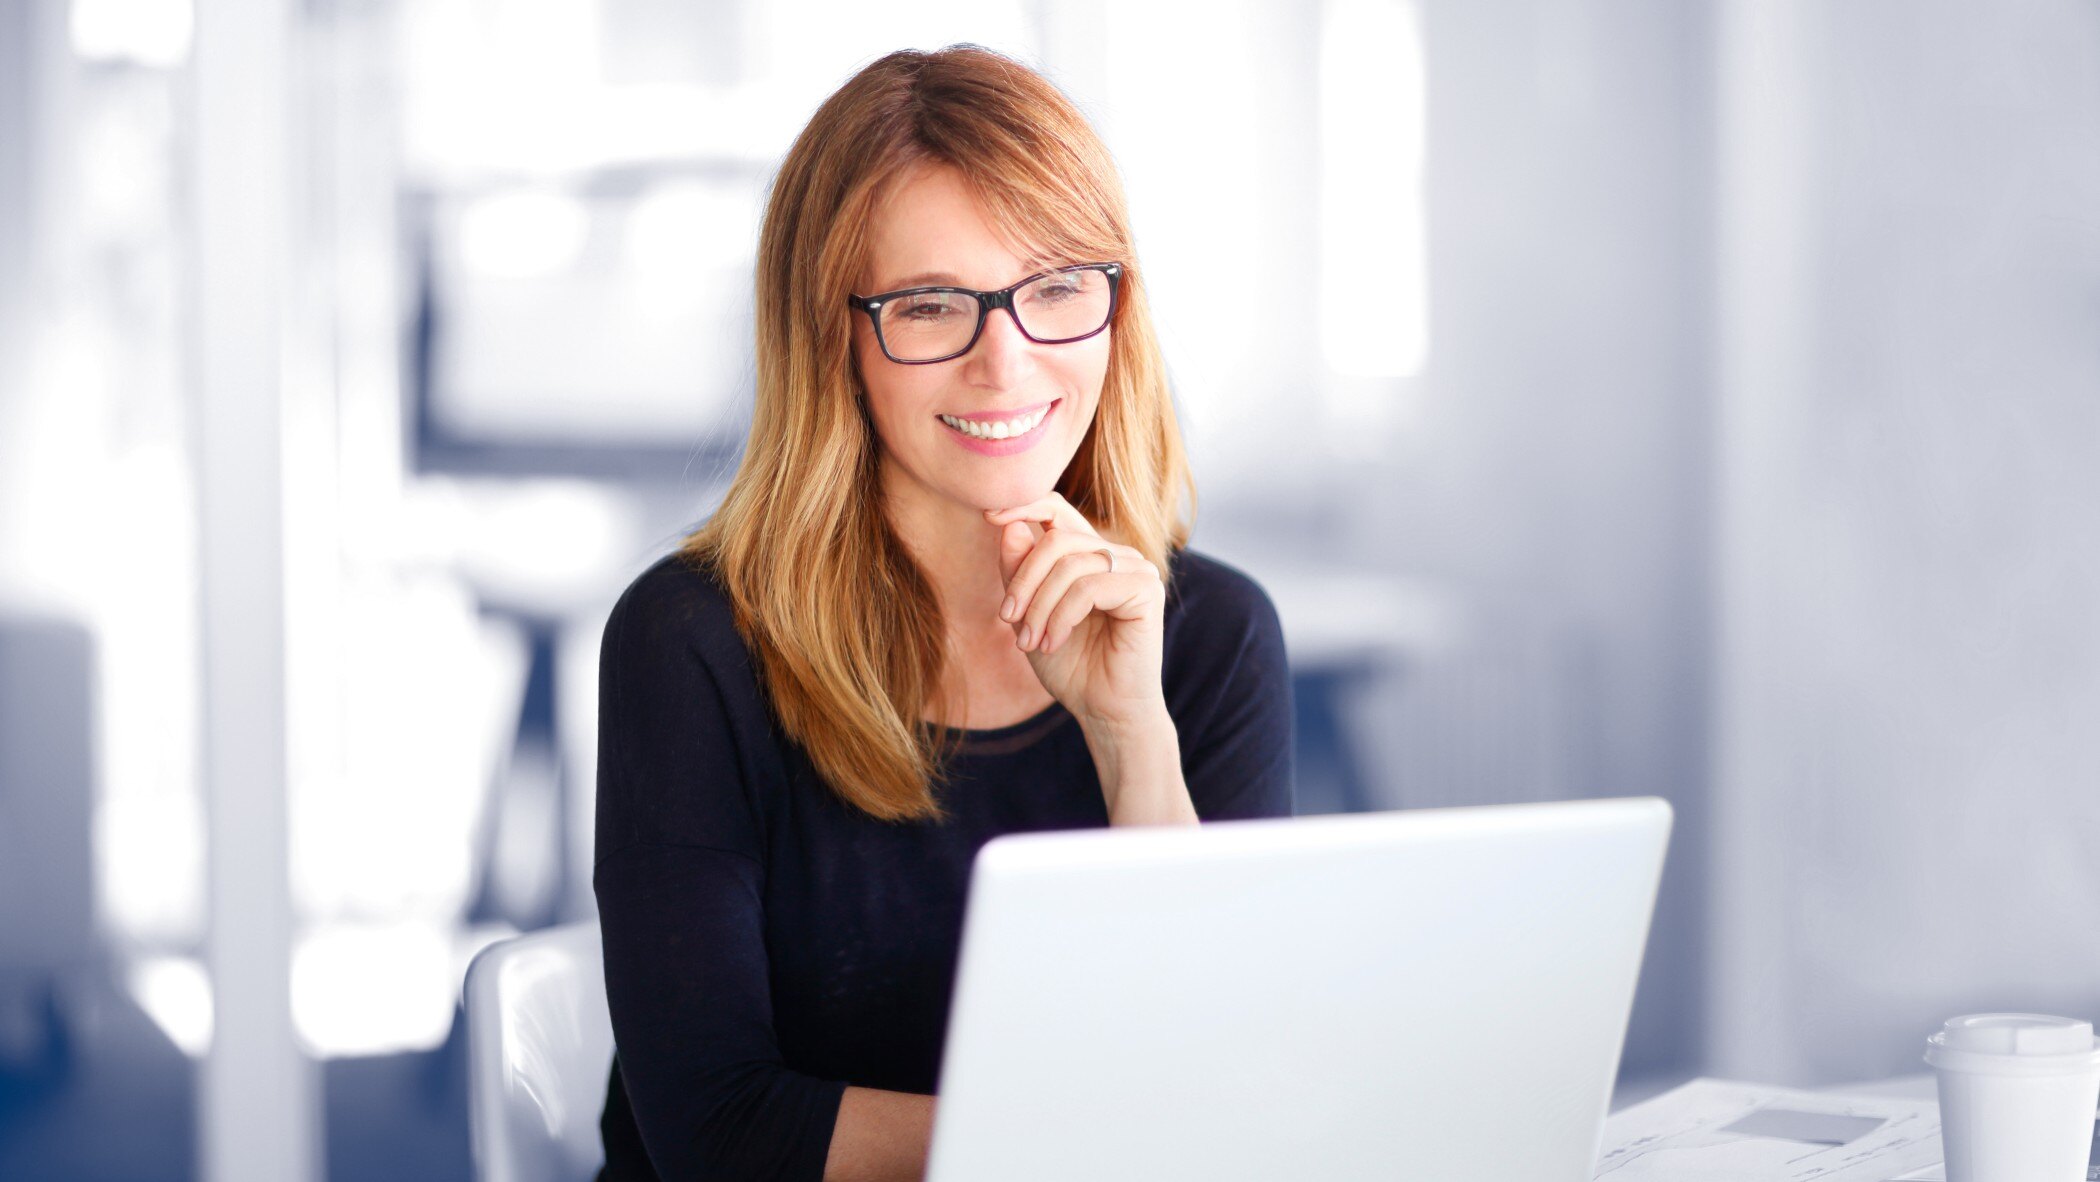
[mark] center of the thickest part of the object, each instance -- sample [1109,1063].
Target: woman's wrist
[1139,762]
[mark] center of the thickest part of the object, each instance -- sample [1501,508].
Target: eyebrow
[1035,266]
[923,277]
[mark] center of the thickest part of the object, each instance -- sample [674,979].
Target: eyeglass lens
[1056,307]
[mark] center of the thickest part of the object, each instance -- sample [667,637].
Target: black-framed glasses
[922,325]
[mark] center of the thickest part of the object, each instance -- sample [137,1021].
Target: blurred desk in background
[1344,630]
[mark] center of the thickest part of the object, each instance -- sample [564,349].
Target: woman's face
[930,230]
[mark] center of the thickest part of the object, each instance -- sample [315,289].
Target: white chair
[539,1048]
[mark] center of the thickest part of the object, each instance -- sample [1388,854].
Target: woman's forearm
[880,1136]
[884,1136]
[1140,769]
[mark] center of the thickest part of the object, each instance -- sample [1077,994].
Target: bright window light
[679,225]
[144,32]
[175,992]
[374,988]
[1374,274]
[392,772]
[523,234]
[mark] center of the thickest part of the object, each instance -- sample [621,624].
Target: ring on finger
[1109,554]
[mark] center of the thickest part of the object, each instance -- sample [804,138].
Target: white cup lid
[2016,1034]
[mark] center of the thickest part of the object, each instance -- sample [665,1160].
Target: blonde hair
[845,627]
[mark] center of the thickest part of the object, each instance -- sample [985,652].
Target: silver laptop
[1435,994]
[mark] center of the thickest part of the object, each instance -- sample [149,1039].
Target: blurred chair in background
[74,1047]
[539,1047]
[47,888]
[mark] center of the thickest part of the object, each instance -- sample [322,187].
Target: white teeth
[1000,430]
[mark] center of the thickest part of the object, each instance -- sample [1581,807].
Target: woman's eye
[927,310]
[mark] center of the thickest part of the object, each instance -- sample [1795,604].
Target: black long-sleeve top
[765,944]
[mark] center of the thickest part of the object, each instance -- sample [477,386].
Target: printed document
[1714,1130]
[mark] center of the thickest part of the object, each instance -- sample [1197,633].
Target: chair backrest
[539,1047]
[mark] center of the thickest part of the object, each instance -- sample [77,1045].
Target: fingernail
[1025,629]
[1006,610]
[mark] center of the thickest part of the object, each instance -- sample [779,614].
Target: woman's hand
[1092,635]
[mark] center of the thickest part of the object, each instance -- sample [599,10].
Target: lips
[1002,433]
[986,416]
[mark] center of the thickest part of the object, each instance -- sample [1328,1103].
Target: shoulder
[1211,594]
[677,604]
[1218,620]
[676,583]
[1227,681]
[684,750]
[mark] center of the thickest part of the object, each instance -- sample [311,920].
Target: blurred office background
[1695,399]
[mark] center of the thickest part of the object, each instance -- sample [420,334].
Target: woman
[946,597]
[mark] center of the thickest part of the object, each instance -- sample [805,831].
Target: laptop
[1433,994]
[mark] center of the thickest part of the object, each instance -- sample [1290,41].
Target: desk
[1716,1127]
[1922,1086]
[1700,1116]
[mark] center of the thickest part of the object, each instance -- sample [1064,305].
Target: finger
[1053,511]
[1122,596]
[1015,541]
[1026,586]
[1025,578]
[1060,573]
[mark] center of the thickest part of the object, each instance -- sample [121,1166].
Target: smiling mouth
[992,430]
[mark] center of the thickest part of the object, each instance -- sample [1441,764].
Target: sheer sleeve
[1229,687]
[679,875]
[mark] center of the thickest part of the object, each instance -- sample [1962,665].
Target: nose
[999,359]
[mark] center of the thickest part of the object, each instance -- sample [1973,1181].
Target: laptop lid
[1435,994]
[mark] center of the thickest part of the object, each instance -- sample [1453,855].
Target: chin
[1009,489]
[1007,494]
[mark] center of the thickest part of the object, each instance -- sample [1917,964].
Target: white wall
[1553,472]
[1908,773]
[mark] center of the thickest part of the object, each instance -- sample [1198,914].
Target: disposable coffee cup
[2017,1096]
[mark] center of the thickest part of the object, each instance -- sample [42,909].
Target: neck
[957,549]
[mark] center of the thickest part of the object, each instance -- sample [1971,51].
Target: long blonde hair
[845,627]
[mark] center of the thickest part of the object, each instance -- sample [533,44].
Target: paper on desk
[1715,1130]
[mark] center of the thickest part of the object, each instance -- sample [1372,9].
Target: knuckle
[1040,561]
[1042,607]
